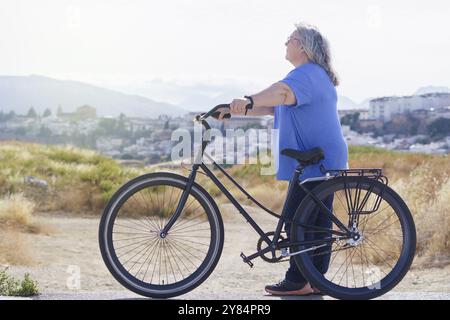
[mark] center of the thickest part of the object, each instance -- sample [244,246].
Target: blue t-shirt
[312,122]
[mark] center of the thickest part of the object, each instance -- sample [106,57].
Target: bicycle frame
[273,244]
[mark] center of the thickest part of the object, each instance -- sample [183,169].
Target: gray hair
[317,48]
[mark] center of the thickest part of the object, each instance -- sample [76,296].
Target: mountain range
[431,89]
[204,95]
[19,93]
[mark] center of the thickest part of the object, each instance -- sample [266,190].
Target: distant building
[443,113]
[420,113]
[81,113]
[109,144]
[384,108]
[368,125]
[142,124]
[363,113]
[85,112]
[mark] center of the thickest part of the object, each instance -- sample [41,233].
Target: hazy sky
[379,47]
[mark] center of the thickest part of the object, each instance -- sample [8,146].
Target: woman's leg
[293,274]
[322,255]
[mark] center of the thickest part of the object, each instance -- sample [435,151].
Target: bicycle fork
[181,203]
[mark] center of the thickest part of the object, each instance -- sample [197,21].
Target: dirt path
[73,248]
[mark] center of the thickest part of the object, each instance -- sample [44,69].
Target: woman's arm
[260,111]
[277,94]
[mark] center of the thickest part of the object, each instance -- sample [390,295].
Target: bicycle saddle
[305,158]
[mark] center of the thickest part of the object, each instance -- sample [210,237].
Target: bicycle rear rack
[353,202]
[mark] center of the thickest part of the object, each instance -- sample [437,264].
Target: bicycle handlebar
[215,114]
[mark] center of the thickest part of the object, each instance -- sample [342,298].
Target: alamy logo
[231,146]
[373,280]
[73,282]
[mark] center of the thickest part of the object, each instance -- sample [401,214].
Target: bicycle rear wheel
[373,261]
[149,263]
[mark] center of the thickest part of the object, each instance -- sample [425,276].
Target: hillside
[19,93]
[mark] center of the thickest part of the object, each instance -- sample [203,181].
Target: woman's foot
[288,288]
[317,291]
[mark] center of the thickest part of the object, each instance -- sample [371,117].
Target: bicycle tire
[157,290]
[305,262]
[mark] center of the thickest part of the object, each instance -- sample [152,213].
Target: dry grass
[16,210]
[428,197]
[438,245]
[77,178]
[16,220]
[14,248]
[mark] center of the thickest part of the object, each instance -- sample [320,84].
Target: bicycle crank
[273,253]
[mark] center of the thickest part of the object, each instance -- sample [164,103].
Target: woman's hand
[223,112]
[238,106]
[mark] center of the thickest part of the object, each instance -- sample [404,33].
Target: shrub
[10,286]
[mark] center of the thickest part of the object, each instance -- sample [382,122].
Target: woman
[305,111]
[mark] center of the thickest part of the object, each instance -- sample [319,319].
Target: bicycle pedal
[246,260]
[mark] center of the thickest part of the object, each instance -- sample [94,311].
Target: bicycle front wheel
[378,255]
[144,261]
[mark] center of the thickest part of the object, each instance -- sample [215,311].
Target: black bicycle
[161,234]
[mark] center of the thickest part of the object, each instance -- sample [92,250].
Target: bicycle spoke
[186,220]
[196,249]
[165,262]
[181,252]
[374,263]
[174,249]
[170,263]
[157,258]
[127,239]
[186,247]
[340,201]
[377,230]
[375,245]
[146,205]
[195,242]
[136,255]
[123,226]
[151,259]
[163,206]
[377,213]
[348,255]
[131,244]
[384,261]
[146,259]
[140,257]
[362,265]
[175,256]
[153,205]
[187,227]
[188,231]
[353,271]
[340,267]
